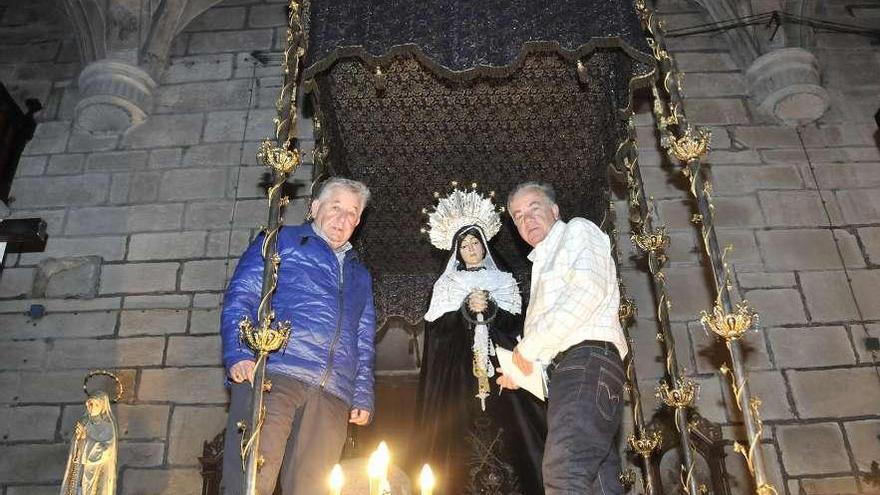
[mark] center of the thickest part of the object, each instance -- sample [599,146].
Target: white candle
[384,459]
[374,471]
[426,480]
[336,480]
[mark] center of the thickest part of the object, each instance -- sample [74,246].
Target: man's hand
[521,362]
[243,370]
[505,381]
[478,301]
[359,417]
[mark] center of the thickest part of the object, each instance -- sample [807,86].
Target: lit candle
[384,459]
[426,480]
[374,471]
[336,480]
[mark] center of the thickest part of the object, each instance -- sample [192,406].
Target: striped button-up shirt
[574,293]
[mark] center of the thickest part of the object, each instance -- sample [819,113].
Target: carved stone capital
[785,85]
[114,96]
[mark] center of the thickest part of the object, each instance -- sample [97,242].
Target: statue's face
[93,406]
[471,250]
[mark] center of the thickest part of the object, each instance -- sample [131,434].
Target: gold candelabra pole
[677,391]
[641,442]
[266,335]
[689,145]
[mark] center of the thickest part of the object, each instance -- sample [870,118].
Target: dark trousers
[583,420]
[302,437]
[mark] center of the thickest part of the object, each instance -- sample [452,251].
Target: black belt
[601,344]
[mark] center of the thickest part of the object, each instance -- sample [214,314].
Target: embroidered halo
[459,209]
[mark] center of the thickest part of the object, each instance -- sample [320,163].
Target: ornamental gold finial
[646,444]
[678,397]
[282,160]
[626,311]
[264,338]
[767,489]
[627,477]
[652,242]
[692,145]
[729,326]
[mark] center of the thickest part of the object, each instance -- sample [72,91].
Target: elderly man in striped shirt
[572,330]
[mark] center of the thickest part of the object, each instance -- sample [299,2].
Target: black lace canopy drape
[413,95]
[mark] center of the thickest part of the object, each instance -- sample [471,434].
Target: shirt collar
[549,242]
[341,249]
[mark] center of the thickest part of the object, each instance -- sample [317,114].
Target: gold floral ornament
[729,326]
[646,444]
[264,338]
[627,477]
[119,388]
[282,160]
[767,489]
[678,398]
[652,242]
[692,145]
[626,311]
[754,443]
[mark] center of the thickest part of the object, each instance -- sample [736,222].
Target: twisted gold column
[266,335]
[689,145]
[642,442]
[677,391]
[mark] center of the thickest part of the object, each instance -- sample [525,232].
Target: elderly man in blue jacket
[324,377]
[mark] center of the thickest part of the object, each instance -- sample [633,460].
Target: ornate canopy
[413,95]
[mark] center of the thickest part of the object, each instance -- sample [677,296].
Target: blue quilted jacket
[331,314]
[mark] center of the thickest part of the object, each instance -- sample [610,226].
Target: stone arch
[167,23]
[89,26]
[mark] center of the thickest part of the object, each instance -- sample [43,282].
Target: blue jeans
[583,420]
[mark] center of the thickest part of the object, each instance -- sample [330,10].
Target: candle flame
[337,479]
[384,453]
[374,465]
[426,478]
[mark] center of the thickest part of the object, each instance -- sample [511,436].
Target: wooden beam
[23,235]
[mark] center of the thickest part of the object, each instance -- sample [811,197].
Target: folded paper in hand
[533,382]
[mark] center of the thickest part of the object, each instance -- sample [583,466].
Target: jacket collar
[309,229]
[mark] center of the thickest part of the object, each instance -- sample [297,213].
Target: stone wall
[154,221]
[145,229]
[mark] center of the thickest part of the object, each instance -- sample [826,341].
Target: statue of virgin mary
[482,442]
[91,463]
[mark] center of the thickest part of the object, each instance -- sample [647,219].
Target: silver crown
[459,209]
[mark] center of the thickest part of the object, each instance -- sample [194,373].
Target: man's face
[337,215]
[533,214]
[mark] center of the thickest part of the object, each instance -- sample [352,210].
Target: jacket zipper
[335,341]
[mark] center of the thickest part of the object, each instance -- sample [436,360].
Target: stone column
[114,96]
[785,85]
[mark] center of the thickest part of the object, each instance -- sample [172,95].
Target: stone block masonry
[164,210]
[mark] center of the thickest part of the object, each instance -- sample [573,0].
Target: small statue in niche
[91,463]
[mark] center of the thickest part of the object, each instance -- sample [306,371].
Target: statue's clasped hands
[478,301]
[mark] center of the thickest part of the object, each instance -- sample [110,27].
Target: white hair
[350,185]
[542,187]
